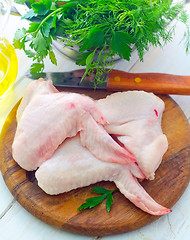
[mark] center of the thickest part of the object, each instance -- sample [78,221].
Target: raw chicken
[46,118]
[95,138]
[65,135]
[135,120]
[73,166]
[34,88]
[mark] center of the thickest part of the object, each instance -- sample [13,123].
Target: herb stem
[48,16]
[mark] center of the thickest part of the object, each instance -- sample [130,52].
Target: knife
[159,83]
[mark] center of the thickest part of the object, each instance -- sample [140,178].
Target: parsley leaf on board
[100,29]
[94,201]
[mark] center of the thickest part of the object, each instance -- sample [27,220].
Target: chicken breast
[47,117]
[135,120]
[73,166]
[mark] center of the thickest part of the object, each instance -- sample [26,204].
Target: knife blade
[159,83]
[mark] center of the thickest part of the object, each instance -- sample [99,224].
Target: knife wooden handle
[158,83]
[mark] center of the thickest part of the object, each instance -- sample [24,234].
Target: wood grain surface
[60,211]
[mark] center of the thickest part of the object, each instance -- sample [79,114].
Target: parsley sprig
[100,29]
[94,201]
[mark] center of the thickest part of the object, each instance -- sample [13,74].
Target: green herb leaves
[99,28]
[42,7]
[94,201]
[39,35]
[121,43]
[95,39]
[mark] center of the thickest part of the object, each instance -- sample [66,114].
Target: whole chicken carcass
[47,117]
[73,166]
[135,121]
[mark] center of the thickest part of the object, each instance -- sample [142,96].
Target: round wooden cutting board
[60,211]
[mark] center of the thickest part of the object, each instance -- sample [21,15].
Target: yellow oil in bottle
[8,67]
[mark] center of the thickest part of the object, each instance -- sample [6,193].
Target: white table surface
[17,224]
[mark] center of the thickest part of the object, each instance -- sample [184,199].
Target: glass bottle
[8,58]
